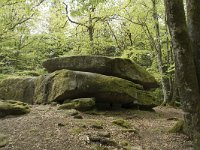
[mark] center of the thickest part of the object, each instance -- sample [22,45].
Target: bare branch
[72,21]
[23,20]
[137,23]
[41,1]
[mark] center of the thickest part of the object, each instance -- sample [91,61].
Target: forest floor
[46,128]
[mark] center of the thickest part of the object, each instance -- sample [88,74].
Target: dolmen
[113,81]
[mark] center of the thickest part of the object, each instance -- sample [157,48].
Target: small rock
[130,130]
[72,112]
[136,148]
[82,104]
[173,118]
[100,147]
[12,107]
[3,140]
[78,117]
[132,116]
[122,123]
[84,126]
[103,140]
[53,103]
[178,127]
[96,126]
[104,134]
[61,124]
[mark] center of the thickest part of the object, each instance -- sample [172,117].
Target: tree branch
[72,21]
[20,22]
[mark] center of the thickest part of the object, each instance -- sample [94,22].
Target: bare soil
[46,128]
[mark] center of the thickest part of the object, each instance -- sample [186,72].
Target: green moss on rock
[66,84]
[71,112]
[82,104]
[17,89]
[178,127]
[122,123]
[67,106]
[102,140]
[118,67]
[11,107]
[3,140]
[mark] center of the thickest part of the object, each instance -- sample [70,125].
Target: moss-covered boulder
[17,89]
[3,140]
[66,84]
[82,104]
[178,127]
[118,67]
[11,107]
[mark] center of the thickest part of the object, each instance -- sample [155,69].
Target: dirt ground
[46,128]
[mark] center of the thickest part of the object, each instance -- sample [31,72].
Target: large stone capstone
[118,67]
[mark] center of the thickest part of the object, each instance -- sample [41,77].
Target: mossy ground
[122,123]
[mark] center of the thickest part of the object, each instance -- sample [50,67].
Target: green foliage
[34,30]
[122,123]
[142,57]
[16,17]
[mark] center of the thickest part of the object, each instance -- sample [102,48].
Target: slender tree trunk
[175,93]
[170,62]
[193,18]
[113,34]
[185,69]
[128,32]
[158,47]
[130,38]
[90,29]
[91,32]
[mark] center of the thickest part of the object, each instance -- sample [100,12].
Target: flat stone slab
[118,67]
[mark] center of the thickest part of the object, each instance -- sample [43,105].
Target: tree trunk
[164,80]
[170,62]
[175,94]
[193,15]
[91,32]
[185,69]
